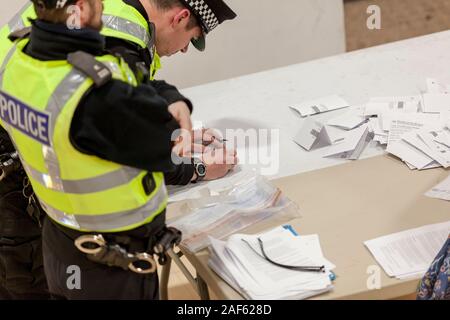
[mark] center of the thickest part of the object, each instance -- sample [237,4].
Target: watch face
[201,169]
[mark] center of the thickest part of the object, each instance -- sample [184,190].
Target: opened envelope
[351,145]
[321,105]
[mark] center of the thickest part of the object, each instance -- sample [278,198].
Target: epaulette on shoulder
[20,34]
[91,67]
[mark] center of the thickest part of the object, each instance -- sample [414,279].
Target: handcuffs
[98,250]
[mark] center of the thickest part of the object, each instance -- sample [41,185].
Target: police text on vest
[31,122]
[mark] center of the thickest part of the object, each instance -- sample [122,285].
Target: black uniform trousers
[63,262]
[21,265]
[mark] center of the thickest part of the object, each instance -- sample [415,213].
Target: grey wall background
[8,9]
[266,35]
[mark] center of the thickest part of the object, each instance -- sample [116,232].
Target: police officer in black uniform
[21,266]
[92,134]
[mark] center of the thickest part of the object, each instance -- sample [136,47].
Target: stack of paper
[418,141]
[441,191]
[241,263]
[409,254]
[415,129]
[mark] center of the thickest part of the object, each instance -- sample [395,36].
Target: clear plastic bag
[246,203]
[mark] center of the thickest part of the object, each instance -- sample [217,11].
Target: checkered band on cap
[203,11]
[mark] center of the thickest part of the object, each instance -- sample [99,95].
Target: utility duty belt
[113,254]
[127,252]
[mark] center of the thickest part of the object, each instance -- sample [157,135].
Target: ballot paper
[404,143]
[321,105]
[351,145]
[441,191]
[440,152]
[313,135]
[377,106]
[404,123]
[436,103]
[436,87]
[241,263]
[409,253]
[347,121]
[432,165]
[442,136]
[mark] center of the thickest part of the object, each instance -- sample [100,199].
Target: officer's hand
[200,141]
[219,162]
[208,137]
[180,111]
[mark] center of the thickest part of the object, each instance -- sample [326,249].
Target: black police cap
[209,13]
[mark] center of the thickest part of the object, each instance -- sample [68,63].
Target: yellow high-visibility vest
[38,100]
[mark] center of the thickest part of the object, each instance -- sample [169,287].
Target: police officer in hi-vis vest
[93,144]
[128,33]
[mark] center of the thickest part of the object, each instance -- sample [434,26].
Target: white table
[261,101]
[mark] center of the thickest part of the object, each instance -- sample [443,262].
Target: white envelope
[347,121]
[321,105]
[436,103]
[312,135]
[407,151]
[439,152]
[352,144]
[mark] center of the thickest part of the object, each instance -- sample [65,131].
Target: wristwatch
[200,169]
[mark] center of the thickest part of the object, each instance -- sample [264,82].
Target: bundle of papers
[418,137]
[441,191]
[241,263]
[242,204]
[415,129]
[409,254]
[418,142]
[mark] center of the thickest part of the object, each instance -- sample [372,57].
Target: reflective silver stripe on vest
[16,23]
[5,62]
[64,91]
[111,221]
[97,184]
[128,27]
